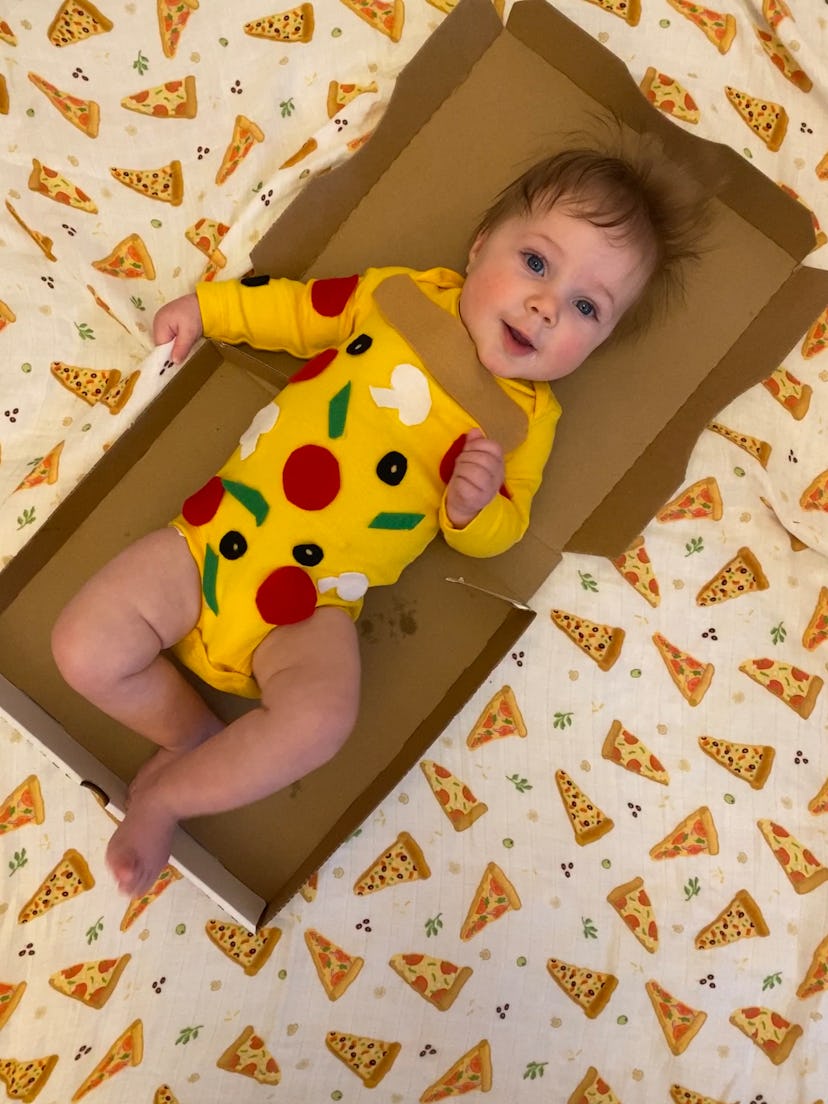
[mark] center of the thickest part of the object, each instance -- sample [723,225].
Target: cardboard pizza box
[412,195]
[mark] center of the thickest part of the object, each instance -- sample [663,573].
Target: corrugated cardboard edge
[81,766]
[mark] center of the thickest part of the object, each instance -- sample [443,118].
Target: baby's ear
[475,247]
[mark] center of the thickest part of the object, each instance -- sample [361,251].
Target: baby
[377,444]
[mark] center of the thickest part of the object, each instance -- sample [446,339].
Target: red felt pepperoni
[450,458]
[310,477]
[201,507]
[330,296]
[286,596]
[314,367]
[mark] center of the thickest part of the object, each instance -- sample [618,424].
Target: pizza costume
[340,482]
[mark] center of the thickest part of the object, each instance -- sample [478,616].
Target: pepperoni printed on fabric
[311,478]
[315,366]
[287,596]
[330,296]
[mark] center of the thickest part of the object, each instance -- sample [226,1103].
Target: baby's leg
[107,641]
[309,677]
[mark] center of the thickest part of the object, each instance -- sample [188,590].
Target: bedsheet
[671,943]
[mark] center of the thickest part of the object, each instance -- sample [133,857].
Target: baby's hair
[631,189]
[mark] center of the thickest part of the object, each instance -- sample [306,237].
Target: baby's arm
[179,319]
[476,479]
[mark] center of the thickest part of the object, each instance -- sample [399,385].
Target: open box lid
[448,143]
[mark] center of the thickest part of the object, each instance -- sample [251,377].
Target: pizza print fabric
[605,880]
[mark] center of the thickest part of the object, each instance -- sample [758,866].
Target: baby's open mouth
[519,338]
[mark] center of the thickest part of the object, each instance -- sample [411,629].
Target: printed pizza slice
[588,822]
[386,16]
[175,99]
[634,566]
[335,967]
[815,495]
[740,575]
[165,184]
[7,315]
[370,1059]
[700,501]
[593,1089]
[42,241]
[172,19]
[602,643]
[719,28]
[245,135]
[454,797]
[403,861]
[130,259]
[249,1056]
[24,805]
[83,114]
[795,687]
[25,1079]
[116,397]
[819,802]
[164,1095]
[50,183]
[137,905]
[750,762]
[680,1095]
[7,34]
[804,871]
[470,1073]
[694,835]
[127,1050]
[589,989]
[624,748]
[89,384]
[294,25]
[691,675]
[816,976]
[789,391]
[816,339]
[250,950]
[495,895]
[341,94]
[767,120]
[784,60]
[816,631]
[678,1021]
[436,979]
[775,11]
[207,234]
[773,1034]
[669,96]
[10,997]
[741,918]
[500,717]
[310,887]
[754,446]
[68,878]
[92,983]
[632,903]
[76,21]
[628,10]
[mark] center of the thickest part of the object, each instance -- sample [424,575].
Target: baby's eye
[534,263]
[586,308]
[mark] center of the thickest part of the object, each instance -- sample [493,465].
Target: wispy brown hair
[631,189]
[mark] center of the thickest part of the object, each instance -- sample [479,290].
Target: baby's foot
[140,846]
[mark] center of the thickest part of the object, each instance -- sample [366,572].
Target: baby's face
[544,290]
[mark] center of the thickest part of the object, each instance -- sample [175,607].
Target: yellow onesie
[340,482]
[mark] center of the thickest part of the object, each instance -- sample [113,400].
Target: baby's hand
[476,479]
[179,319]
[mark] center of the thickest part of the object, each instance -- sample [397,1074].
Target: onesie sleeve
[506,518]
[279,314]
